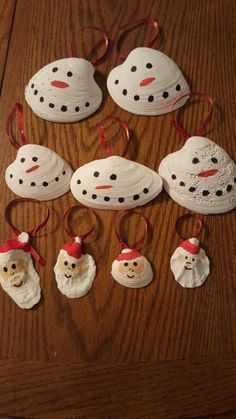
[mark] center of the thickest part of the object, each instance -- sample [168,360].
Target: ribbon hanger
[124,245]
[133,24]
[65,222]
[103,139]
[103,37]
[32,232]
[16,112]
[206,120]
[197,219]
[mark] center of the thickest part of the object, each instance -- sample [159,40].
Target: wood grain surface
[151,329]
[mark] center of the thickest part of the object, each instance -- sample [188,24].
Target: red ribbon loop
[133,24]
[206,120]
[103,139]
[198,220]
[106,44]
[17,111]
[124,245]
[32,232]
[69,232]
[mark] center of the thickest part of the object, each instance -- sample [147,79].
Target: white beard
[198,272]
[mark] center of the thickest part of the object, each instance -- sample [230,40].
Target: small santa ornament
[190,264]
[17,274]
[74,270]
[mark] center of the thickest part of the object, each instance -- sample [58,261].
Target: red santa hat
[20,242]
[191,246]
[128,254]
[74,249]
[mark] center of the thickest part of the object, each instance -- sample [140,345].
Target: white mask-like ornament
[37,172]
[115,183]
[147,82]
[65,90]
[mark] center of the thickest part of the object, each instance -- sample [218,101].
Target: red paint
[208,173]
[104,187]
[60,84]
[147,81]
[32,169]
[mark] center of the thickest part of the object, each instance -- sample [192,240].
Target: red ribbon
[17,111]
[124,245]
[206,120]
[34,231]
[198,220]
[103,139]
[69,232]
[133,24]
[106,44]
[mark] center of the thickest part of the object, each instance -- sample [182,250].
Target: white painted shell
[147,83]
[135,273]
[189,270]
[27,292]
[115,183]
[64,91]
[39,173]
[76,278]
[201,177]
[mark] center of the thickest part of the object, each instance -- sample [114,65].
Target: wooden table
[158,352]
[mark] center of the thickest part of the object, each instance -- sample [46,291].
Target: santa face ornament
[64,91]
[132,269]
[147,83]
[201,177]
[190,264]
[74,270]
[18,277]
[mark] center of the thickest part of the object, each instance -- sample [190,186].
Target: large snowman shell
[115,183]
[201,177]
[64,91]
[39,173]
[147,83]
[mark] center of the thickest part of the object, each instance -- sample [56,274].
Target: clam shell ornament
[132,269]
[147,83]
[190,264]
[200,176]
[115,183]
[39,173]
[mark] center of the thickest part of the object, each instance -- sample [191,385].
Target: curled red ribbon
[124,245]
[106,44]
[206,120]
[133,24]
[69,232]
[17,111]
[198,220]
[32,232]
[103,139]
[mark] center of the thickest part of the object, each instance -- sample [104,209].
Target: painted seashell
[190,264]
[39,173]
[64,91]
[147,83]
[132,269]
[74,271]
[115,183]
[18,277]
[201,177]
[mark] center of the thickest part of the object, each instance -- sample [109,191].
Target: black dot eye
[126,264]
[5,269]
[113,177]
[195,160]
[134,68]
[186,257]
[214,160]
[55,69]
[135,264]
[22,160]
[96,174]
[69,74]
[65,263]
[149,65]
[35,159]
[73,265]
[193,259]
[178,87]
[13,266]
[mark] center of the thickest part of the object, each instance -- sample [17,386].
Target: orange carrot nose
[60,84]
[147,81]
[208,173]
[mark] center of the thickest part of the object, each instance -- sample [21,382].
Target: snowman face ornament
[201,177]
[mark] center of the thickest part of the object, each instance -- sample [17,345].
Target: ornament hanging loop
[16,112]
[103,139]
[105,41]
[202,129]
[124,245]
[197,220]
[133,24]
[65,222]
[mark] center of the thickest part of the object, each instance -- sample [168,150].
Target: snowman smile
[59,84]
[32,169]
[207,173]
[147,81]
